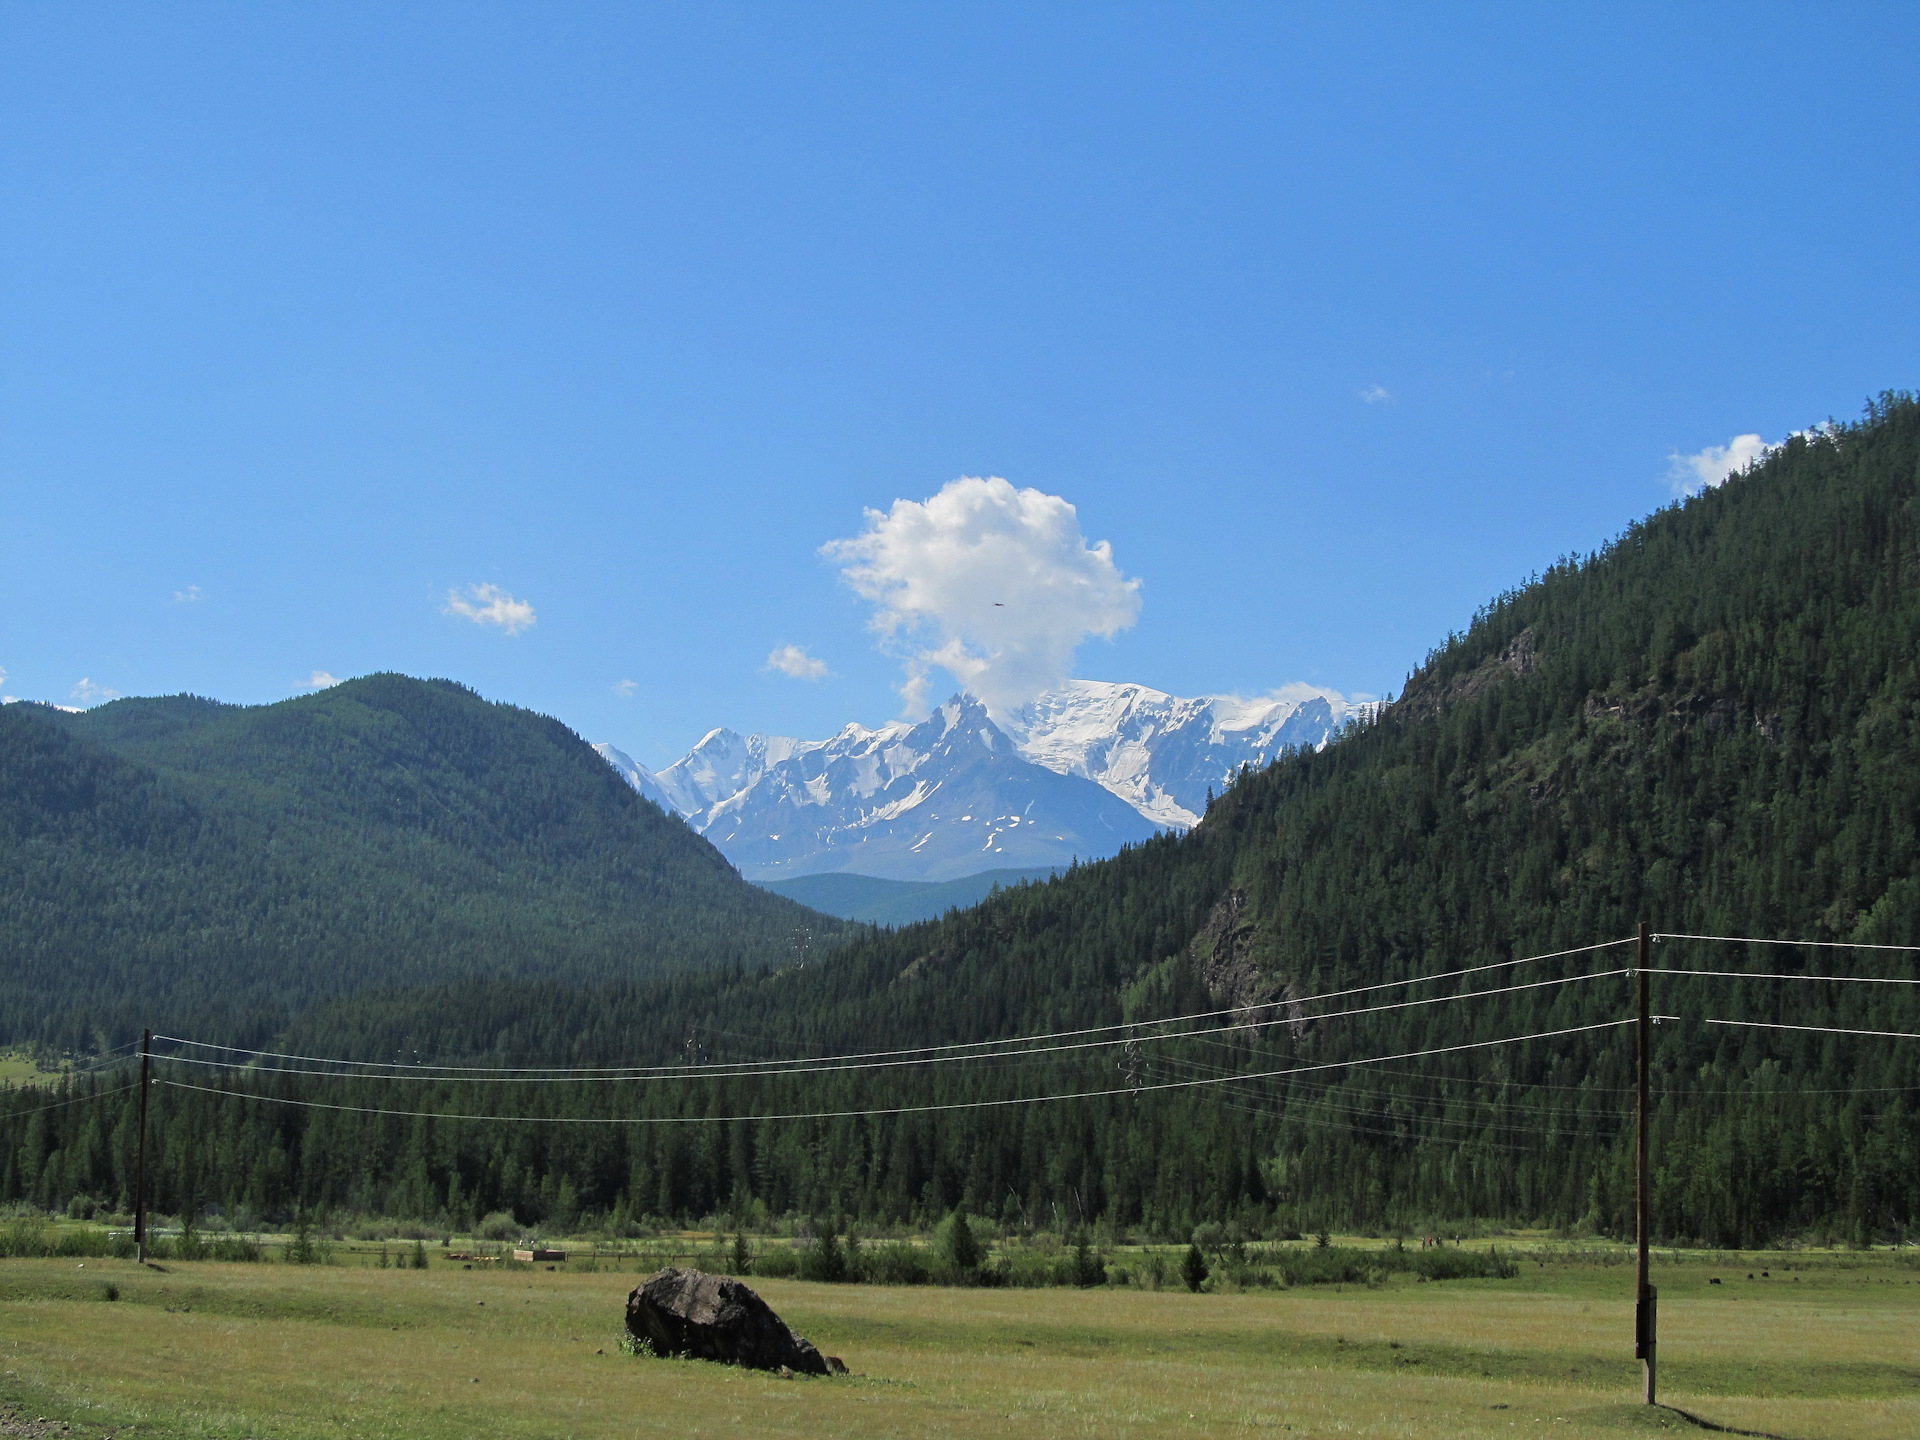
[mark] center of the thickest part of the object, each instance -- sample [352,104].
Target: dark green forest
[177,862]
[1710,724]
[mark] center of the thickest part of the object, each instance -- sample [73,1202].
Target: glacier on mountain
[1161,753]
[1077,772]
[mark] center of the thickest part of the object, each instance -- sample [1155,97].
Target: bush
[1340,1265]
[32,1236]
[1085,1268]
[824,1260]
[894,1263]
[777,1262]
[1021,1270]
[1193,1269]
[954,1245]
[234,1248]
[1462,1264]
[500,1225]
[301,1249]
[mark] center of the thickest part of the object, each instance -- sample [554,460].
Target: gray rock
[715,1317]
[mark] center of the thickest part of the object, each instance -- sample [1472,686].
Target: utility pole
[1646,1309]
[140,1183]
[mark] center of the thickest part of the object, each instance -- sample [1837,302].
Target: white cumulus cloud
[626,689]
[995,585]
[88,693]
[795,663]
[319,680]
[1690,474]
[1376,395]
[188,596]
[490,605]
[6,699]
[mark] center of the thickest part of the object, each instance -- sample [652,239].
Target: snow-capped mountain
[1079,771]
[947,797]
[637,775]
[1161,753]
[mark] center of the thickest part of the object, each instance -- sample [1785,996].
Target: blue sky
[1332,323]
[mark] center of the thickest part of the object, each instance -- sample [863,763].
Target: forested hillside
[179,862]
[1710,724]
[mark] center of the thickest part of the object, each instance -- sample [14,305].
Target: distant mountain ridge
[1077,772]
[944,798]
[178,861]
[1160,753]
[899,902]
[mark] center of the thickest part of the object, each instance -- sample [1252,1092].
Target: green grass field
[17,1067]
[1828,1349]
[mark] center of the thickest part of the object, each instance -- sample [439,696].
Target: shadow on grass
[1666,1418]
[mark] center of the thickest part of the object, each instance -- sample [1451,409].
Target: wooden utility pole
[1646,1302]
[140,1182]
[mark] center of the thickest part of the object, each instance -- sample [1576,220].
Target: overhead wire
[1811,944]
[1014,1048]
[1820,1029]
[71,1100]
[1130,1025]
[1349,1126]
[1325,1101]
[876,1111]
[1762,975]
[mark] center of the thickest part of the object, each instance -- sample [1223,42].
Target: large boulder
[715,1317]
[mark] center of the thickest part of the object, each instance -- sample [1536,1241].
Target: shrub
[894,1263]
[637,1345]
[301,1249]
[1340,1265]
[954,1245]
[233,1248]
[32,1236]
[189,1246]
[1085,1268]
[824,1259]
[1193,1269]
[500,1225]
[1021,1270]
[1462,1264]
[778,1262]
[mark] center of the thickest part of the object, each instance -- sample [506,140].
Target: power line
[1820,1029]
[75,1100]
[899,1109]
[1327,1101]
[1018,1047]
[1351,1128]
[1814,944]
[918,1049]
[1758,975]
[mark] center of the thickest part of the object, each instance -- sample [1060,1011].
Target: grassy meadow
[19,1067]
[1827,1348]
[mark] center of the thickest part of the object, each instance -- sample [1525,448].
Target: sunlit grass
[286,1351]
[18,1067]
